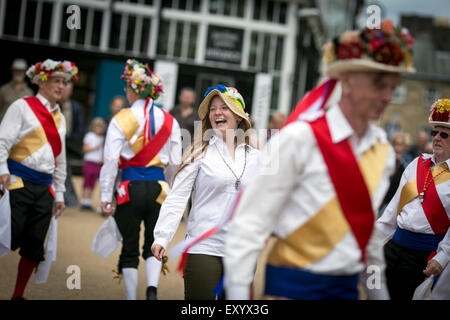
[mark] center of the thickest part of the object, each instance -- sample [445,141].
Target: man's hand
[107,208]
[5,180]
[433,268]
[58,209]
[158,251]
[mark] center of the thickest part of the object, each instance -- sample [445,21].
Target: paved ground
[76,229]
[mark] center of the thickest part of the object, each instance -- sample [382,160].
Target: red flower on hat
[350,51]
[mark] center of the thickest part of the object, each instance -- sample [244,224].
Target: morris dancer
[32,160]
[145,142]
[416,221]
[333,173]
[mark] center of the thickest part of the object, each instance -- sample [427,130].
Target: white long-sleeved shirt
[292,186]
[412,217]
[18,122]
[213,193]
[116,146]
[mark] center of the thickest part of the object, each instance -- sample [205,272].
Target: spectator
[71,110]
[184,113]
[16,88]
[93,159]
[117,103]
[400,142]
[276,122]
[417,149]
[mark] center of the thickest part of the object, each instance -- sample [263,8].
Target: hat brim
[65,75]
[439,124]
[204,106]
[335,69]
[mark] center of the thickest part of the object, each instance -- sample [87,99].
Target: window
[431,94]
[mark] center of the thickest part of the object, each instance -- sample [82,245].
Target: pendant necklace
[427,183]
[238,180]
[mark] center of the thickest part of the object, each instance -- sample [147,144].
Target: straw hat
[440,113]
[19,64]
[387,49]
[230,96]
[50,68]
[142,80]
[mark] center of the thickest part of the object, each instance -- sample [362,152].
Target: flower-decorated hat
[440,113]
[230,96]
[50,68]
[387,49]
[142,80]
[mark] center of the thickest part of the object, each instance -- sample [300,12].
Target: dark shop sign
[224,44]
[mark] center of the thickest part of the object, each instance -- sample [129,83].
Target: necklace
[427,183]
[238,180]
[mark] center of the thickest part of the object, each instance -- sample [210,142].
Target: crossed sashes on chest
[349,210]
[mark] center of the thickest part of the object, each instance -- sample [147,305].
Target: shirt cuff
[441,258]
[106,197]
[4,169]
[238,292]
[59,196]
[162,242]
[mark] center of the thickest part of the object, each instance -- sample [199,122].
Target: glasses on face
[443,135]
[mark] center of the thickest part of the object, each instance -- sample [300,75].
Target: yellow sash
[409,190]
[32,141]
[129,125]
[318,236]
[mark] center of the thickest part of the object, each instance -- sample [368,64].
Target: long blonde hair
[199,145]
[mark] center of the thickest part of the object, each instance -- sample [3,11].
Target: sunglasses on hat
[443,135]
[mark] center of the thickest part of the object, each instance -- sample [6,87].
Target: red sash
[152,148]
[47,123]
[351,189]
[432,205]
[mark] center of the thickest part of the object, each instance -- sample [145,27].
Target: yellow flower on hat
[43,76]
[443,105]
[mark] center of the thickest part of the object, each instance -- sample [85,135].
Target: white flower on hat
[232,93]
[50,64]
[30,71]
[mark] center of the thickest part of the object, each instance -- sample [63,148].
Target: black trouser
[201,276]
[404,270]
[141,207]
[31,212]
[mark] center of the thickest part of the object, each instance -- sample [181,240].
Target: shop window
[431,94]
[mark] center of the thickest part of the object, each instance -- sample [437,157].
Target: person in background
[417,149]
[184,113]
[73,114]
[276,122]
[117,103]
[93,159]
[400,142]
[145,141]
[16,88]
[415,224]
[33,163]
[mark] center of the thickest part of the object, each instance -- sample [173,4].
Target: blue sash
[418,241]
[304,285]
[143,174]
[28,174]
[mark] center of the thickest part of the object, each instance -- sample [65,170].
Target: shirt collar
[340,129]
[46,103]
[214,139]
[427,156]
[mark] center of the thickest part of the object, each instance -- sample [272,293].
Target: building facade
[268,49]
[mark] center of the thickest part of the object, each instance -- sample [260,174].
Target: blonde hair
[200,145]
[97,121]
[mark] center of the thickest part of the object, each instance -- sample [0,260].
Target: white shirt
[116,146]
[412,217]
[213,193]
[281,199]
[18,122]
[94,140]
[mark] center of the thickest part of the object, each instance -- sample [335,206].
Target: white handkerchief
[5,224]
[50,253]
[107,238]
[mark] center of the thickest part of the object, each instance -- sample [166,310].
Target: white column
[154,30]
[202,33]
[288,65]
[106,27]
